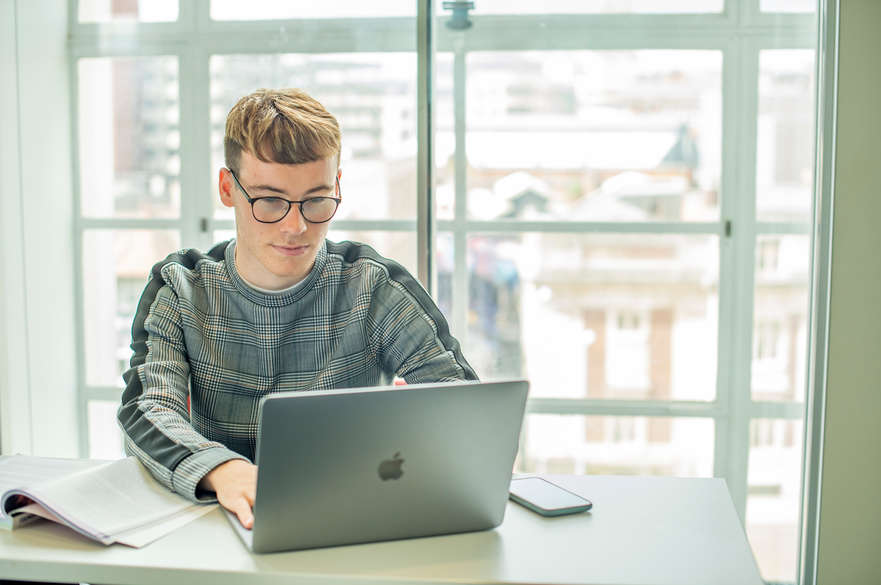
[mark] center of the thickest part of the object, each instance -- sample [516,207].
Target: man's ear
[339,174]
[225,186]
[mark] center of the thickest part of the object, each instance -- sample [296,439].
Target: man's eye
[271,202]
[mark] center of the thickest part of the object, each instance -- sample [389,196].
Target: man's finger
[247,520]
[244,513]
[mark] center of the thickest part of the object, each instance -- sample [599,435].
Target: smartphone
[546,498]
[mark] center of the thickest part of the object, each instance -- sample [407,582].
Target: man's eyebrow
[318,188]
[268,188]
[273,189]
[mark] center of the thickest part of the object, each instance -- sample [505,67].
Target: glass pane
[785,148]
[129,137]
[780,323]
[445,136]
[788,5]
[594,135]
[444,259]
[116,10]
[372,95]
[773,504]
[596,6]
[116,264]
[223,235]
[273,9]
[398,246]
[105,440]
[617,445]
[630,316]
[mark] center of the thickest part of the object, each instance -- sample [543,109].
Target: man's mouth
[290,250]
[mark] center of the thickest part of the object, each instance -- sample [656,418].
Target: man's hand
[235,483]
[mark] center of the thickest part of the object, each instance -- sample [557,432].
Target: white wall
[37,368]
[12,329]
[850,497]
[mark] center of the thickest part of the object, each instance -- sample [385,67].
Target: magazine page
[110,499]
[23,471]
[116,501]
[142,536]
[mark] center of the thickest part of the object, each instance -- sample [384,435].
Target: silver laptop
[367,464]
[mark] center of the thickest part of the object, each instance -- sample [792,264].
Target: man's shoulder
[189,264]
[357,266]
[351,259]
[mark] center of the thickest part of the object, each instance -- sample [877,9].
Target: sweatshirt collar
[274,299]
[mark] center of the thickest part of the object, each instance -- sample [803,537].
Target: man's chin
[292,267]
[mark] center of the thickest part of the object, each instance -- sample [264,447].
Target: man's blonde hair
[285,126]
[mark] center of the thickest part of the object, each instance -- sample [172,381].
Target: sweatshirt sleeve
[410,334]
[154,415]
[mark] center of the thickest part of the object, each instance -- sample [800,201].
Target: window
[627,356]
[767,341]
[622,202]
[130,10]
[767,255]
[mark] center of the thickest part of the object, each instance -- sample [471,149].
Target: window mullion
[737,273]
[78,292]
[460,236]
[425,128]
[195,129]
[621,407]
[188,14]
[194,124]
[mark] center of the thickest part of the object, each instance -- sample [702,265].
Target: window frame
[740,32]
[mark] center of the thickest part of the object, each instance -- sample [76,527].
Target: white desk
[642,530]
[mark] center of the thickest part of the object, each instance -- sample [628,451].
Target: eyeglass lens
[316,209]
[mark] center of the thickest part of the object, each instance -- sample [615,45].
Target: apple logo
[391,468]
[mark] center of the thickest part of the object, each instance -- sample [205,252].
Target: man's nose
[294,222]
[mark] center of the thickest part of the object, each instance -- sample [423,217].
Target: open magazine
[107,501]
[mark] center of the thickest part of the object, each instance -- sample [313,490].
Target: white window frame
[740,32]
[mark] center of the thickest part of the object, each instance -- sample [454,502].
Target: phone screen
[545,495]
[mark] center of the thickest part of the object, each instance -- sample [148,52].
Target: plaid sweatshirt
[201,331]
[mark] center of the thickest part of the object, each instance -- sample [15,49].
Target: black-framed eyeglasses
[275,209]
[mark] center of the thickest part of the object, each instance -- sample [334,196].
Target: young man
[278,308]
